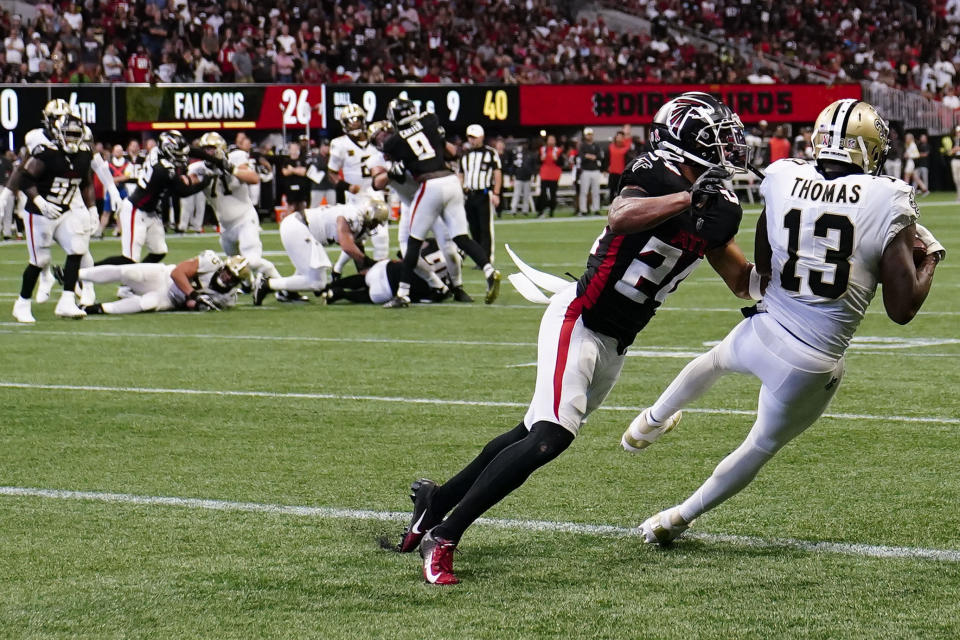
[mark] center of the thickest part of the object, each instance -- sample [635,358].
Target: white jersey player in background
[830,233]
[229,196]
[304,236]
[354,156]
[203,283]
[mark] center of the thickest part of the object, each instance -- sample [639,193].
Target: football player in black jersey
[419,143]
[672,211]
[162,176]
[50,177]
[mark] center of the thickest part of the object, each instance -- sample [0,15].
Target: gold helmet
[376,212]
[54,110]
[214,140]
[237,265]
[352,120]
[851,131]
[379,131]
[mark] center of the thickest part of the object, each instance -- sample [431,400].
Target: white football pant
[192,209]
[307,255]
[798,383]
[243,237]
[138,229]
[149,282]
[448,248]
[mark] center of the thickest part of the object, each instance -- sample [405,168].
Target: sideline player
[830,233]
[49,178]
[140,214]
[671,213]
[229,196]
[203,283]
[419,143]
[304,236]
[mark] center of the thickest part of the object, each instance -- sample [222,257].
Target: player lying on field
[204,283]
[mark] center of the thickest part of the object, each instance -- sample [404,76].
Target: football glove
[94,219]
[47,208]
[204,302]
[933,246]
[707,187]
[115,198]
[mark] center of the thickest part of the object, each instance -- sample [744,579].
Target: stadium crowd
[908,45]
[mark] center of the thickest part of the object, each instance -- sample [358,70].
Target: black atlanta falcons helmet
[698,129]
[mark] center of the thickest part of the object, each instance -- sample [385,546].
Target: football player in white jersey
[354,155]
[203,283]
[831,231]
[229,196]
[304,236]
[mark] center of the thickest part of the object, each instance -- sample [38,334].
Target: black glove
[335,275]
[707,187]
[367,262]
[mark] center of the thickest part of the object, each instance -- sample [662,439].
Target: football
[919,251]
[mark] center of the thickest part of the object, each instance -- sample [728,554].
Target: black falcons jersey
[629,276]
[419,145]
[63,175]
[157,176]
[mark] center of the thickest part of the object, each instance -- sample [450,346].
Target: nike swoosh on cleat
[431,576]
[415,527]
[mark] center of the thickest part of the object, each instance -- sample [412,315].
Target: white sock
[403,290]
[488,270]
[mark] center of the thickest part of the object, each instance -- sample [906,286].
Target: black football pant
[480,218]
[548,196]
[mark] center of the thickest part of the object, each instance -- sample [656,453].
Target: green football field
[230,475]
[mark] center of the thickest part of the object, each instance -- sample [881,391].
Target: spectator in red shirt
[779,145]
[616,152]
[551,166]
[139,67]
[225,59]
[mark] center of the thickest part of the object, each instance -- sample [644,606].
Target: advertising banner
[543,105]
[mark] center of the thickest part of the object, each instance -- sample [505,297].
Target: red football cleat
[437,554]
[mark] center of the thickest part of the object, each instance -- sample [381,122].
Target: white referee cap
[474,131]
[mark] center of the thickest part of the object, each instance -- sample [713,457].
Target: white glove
[47,208]
[933,246]
[94,219]
[114,194]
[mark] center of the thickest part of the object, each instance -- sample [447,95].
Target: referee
[482,178]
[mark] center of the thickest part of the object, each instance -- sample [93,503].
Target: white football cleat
[642,433]
[87,294]
[67,306]
[21,311]
[664,528]
[45,284]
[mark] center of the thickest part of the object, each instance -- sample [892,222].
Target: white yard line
[7,384]
[336,513]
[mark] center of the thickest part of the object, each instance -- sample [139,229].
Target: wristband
[754,285]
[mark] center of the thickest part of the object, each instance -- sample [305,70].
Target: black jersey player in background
[419,143]
[672,212]
[162,177]
[50,177]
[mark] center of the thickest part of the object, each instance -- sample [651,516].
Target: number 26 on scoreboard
[495,104]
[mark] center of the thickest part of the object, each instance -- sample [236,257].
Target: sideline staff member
[482,177]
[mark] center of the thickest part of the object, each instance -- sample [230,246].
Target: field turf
[229,475]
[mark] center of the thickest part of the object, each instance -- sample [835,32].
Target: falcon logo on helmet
[852,132]
[174,147]
[696,128]
[401,111]
[353,121]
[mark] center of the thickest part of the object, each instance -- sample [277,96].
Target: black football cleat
[460,295]
[421,493]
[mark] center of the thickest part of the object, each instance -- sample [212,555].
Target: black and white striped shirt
[477,167]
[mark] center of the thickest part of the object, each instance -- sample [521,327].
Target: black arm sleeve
[182,190]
